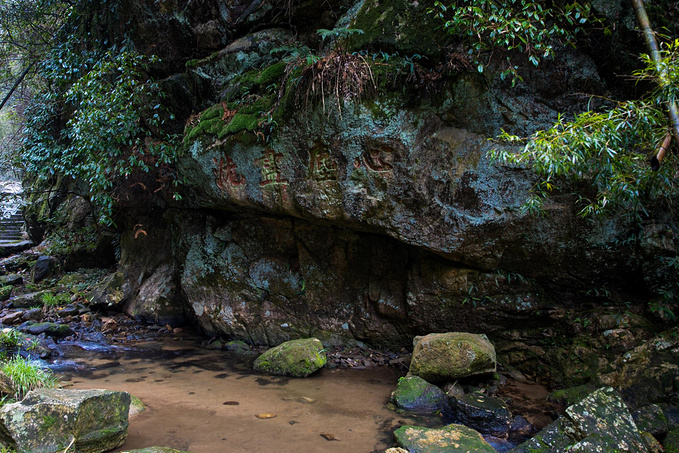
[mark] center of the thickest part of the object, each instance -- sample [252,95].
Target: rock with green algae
[5,292]
[297,358]
[671,443]
[571,395]
[415,394]
[600,422]
[441,357]
[648,373]
[51,329]
[652,419]
[49,420]
[449,439]
[483,413]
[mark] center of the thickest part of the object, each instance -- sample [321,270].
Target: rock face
[449,356]
[415,394]
[371,213]
[49,420]
[297,358]
[600,422]
[450,439]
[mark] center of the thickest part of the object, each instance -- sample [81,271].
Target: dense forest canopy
[97,115]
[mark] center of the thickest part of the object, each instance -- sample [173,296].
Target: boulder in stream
[443,357]
[600,422]
[483,413]
[449,439]
[297,358]
[415,394]
[50,420]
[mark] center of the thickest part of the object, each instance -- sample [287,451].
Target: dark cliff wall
[341,188]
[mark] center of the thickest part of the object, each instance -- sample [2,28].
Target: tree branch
[16,84]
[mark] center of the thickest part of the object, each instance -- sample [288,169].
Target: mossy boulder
[415,394]
[571,395]
[483,413]
[600,422]
[449,439]
[51,329]
[671,443]
[5,292]
[49,420]
[441,357]
[652,419]
[297,358]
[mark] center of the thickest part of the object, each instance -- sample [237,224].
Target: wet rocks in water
[483,413]
[415,394]
[442,357]
[48,420]
[450,439]
[600,422]
[297,358]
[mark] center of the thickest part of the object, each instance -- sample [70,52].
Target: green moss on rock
[444,357]
[297,358]
[5,292]
[571,395]
[415,394]
[450,439]
[671,443]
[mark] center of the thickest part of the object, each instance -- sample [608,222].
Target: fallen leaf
[231,403]
[328,436]
[265,416]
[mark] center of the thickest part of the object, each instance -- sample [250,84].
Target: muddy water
[208,401]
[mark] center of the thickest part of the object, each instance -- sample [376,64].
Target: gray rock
[49,420]
[110,292]
[49,328]
[652,419]
[415,394]
[441,357]
[41,268]
[5,292]
[600,422]
[483,413]
[12,280]
[297,358]
[157,300]
[28,300]
[8,248]
[671,443]
[450,439]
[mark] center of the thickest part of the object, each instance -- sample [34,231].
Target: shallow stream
[206,401]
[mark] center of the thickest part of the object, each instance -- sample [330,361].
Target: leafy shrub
[115,123]
[531,27]
[608,150]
